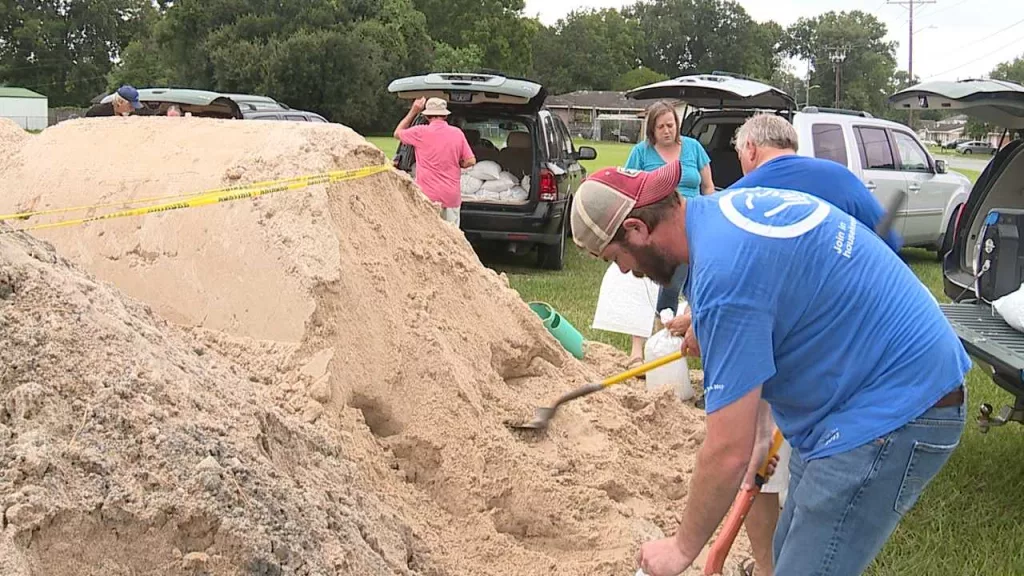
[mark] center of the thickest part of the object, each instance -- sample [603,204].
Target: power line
[989,36]
[982,57]
[910,34]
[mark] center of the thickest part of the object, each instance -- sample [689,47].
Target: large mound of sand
[340,353]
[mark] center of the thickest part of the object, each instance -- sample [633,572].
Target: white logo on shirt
[766,205]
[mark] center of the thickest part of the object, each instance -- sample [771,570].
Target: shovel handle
[740,506]
[611,381]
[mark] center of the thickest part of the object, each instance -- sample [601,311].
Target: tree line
[337,57]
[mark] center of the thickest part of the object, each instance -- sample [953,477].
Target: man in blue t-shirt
[767,145]
[793,301]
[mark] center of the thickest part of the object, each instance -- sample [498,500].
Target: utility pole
[910,41]
[837,55]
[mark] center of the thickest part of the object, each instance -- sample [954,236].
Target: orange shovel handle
[738,513]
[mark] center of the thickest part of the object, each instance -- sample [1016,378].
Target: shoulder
[692,148]
[640,147]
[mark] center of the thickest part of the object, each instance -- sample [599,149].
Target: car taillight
[959,215]
[548,187]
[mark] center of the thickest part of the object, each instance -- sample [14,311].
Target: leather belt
[954,398]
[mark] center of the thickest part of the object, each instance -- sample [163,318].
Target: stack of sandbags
[485,181]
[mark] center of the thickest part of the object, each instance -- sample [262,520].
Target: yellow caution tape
[205,199]
[266,183]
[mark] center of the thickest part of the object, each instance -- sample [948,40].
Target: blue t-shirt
[827,180]
[789,292]
[692,154]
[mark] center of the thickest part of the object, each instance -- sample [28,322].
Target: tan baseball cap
[606,197]
[436,107]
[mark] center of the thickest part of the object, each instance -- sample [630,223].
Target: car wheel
[967,152]
[552,256]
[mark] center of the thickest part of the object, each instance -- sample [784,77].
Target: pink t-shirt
[439,149]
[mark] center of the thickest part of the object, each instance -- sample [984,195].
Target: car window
[295,117]
[567,143]
[875,152]
[829,143]
[912,156]
[705,134]
[494,131]
[317,119]
[554,140]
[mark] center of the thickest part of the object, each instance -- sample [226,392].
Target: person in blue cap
[124,103]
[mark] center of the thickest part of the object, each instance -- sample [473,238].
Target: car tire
[552,256]
[967,152]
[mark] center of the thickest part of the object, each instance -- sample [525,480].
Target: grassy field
[969,521]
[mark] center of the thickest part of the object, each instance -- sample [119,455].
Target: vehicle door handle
[870,185]
[915,188]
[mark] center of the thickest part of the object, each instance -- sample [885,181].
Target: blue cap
[130,94]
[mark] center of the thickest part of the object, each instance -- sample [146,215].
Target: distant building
[27,108]
[599,114]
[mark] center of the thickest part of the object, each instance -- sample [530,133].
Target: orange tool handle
[740,506]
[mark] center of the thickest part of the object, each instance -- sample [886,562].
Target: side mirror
[586,153]
[940,167]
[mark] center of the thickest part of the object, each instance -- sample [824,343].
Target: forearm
[406,121]
[713,487]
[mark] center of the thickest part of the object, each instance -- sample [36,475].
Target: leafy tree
[65,49]
[450,59]
[976,129]
[699,36]
[1012,71]
[855,43]
[637,77]
[497,27]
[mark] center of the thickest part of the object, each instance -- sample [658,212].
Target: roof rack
[824,110]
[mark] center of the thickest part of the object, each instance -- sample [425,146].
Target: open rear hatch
[496,114]
[473,89]
[985,335]
[717,91]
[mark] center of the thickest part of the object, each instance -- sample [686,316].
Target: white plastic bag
[508,177]
[525,184]
[1011,308]
[485,170]
[469,184]
[497,186]
[675,373]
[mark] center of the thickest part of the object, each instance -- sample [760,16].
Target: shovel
[738,513]
[542,416]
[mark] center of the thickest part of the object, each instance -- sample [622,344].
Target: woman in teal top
[664,143]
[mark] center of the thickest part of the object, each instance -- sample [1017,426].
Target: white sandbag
[526,182]
[497,186]
[469,184]
[508,177]
[518,194]
[1011,308]
[485,170]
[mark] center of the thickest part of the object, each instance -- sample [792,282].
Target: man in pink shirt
[441,150]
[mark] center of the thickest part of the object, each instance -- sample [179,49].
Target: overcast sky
[954,38]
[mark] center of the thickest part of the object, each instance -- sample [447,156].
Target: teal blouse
[692,154]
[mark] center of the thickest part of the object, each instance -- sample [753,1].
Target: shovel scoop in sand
[542,416]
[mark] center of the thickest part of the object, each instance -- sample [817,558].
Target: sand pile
[388,356]
[12,136]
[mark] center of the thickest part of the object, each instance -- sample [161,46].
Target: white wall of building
[29,113]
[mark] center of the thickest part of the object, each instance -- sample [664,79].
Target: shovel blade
[541,418]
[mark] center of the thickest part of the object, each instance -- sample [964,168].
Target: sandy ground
[315,382]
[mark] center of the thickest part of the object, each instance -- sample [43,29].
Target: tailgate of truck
[986,336]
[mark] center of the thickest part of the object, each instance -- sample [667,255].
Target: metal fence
[58,115]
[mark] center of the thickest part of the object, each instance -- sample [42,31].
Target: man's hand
[662,558]
[682,325]
[418,105]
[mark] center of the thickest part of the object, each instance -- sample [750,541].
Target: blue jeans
[668,296]
[841,509]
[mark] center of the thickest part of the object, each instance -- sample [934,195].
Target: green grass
[969,520]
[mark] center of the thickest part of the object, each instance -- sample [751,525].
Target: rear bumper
[991,341]
[542,225]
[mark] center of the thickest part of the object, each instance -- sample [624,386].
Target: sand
[315,382]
